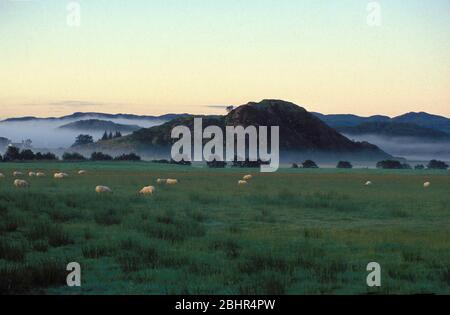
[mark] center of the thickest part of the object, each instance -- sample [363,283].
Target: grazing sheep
[368,183]
[17,174]
[20,183]
[242,183]
[171,181]
[247,177]
[149,190]
[1,175]
[81,172]
[40,174]
[102,189]
[31,174]
[427,184]
[60,175]
[161,181]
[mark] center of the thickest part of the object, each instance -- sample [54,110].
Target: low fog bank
[412,149]
[45,133]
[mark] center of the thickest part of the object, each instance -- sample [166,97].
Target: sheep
[40,174]
[171,181]
[31,174]
[161,181]
[20,183]
[102,189]
[1,175]
[81,172]
[427,185]
[60,175]
[247,177]
[17,174]
[242,182]
[368,183]
[149,190]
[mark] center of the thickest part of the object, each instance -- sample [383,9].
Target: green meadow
[293,232]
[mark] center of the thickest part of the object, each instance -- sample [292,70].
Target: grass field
[293,232]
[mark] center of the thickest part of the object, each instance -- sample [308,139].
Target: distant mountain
[348,120]
[395,129]
[300,131]
[425,120]
[87,115]
[422,119]
[46,132]
[99,125]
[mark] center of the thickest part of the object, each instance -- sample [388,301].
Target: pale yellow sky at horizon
[158,57]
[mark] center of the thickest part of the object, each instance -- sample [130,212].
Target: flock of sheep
[425,185]
[148,190]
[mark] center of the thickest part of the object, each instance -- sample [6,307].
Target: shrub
[73,157]
[437,165]
[182,162]
[99,156]
[344,164]
[419,167]
[295,165]
[128,157]
[46,157]
[216,164]
[309,164]
[12,154]
[390,164]
[27,155]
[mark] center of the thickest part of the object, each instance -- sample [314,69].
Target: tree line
[13,154]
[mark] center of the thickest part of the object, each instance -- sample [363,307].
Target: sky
[159,56]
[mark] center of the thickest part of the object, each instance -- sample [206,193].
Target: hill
[421,119]
[300,132]
[99,125]
[395,129]
[95,115]
[425,120]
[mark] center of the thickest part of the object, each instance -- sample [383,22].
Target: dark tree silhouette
[12,154]
[310,164]
[344,164]
[437,165]
[82,140]
[27,155]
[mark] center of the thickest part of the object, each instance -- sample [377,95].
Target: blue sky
[157,56]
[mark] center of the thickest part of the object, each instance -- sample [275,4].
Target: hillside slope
[300,132]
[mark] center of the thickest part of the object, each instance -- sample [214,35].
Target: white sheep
[149,190]
[247,177]
[1,175]
[161,181]
[102,189]
[31,174]
[20,183]
[81,172]
[40,174]
[427,185]
[368,183]
[17,174]
[58,176]
[171,181]
[242,182]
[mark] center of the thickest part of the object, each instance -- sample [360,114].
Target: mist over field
[412,149]
[45,133]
